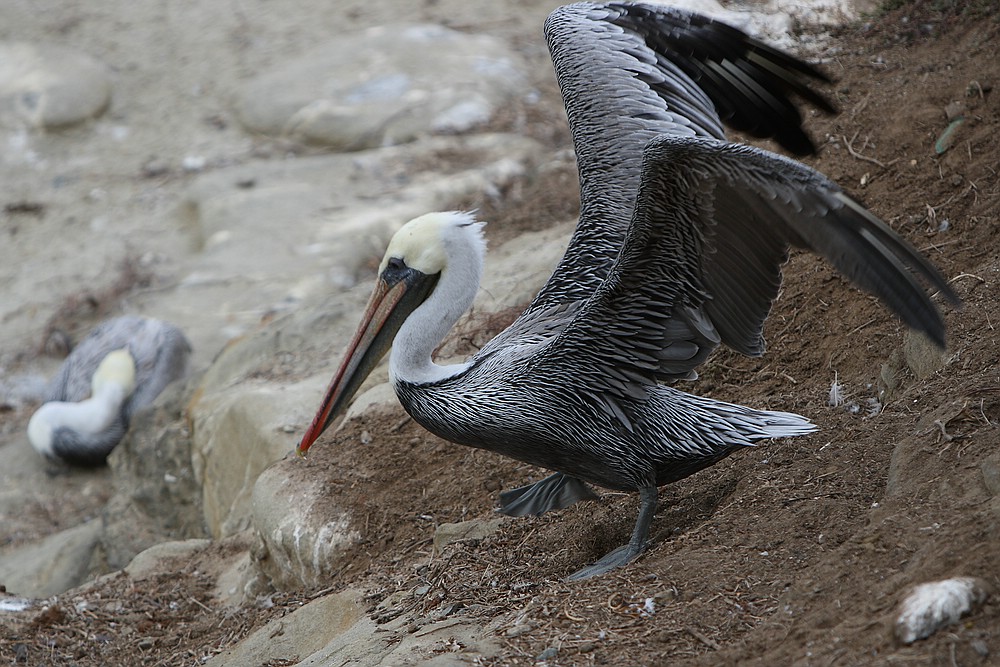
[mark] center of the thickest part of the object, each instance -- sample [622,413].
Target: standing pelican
[678,249]
[121,366]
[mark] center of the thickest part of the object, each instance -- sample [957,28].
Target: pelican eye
[395,270]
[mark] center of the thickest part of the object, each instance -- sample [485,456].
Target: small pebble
[547,654]
[519,630]
[954,110]
[193,163]
[154,167]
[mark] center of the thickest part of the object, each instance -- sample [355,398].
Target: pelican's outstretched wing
[629,73]
[701,263]
[681,235]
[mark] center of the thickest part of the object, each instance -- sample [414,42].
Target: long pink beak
[365,351]
[397,293]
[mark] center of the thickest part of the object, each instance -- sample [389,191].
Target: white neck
[90,416]
[425,328]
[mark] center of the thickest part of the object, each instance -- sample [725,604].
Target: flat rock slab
[474,529]
[387,85]
[50,86]
[53,565]
[333,630]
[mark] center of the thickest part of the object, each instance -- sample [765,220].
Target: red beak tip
[300,451]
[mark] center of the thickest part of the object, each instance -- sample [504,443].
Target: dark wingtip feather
[753,95]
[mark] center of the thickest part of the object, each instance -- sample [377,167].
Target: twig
[861,326]
[967,275]
[850,149]
[575,619]
[197,602]
[816,496]
[703,639]
[400,424]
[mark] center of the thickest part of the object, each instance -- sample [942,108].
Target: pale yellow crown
[420,243]
[118,367]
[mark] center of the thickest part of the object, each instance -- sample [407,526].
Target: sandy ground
[796,553]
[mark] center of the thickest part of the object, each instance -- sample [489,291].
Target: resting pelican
[121,366]
[678,249]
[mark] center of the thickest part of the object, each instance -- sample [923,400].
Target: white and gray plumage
[121,366]
[678,249]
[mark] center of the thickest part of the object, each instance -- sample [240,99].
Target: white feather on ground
[929,607]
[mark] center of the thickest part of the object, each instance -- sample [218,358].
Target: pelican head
[439,254]
[117,368]
[112,383]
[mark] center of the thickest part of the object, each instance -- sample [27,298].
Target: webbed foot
[620,556]
[636,545]
[555,492]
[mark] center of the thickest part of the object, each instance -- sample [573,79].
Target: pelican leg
[552,493]
[626,553]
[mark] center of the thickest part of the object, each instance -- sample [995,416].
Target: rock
[474,529]
[548,654]
[338,218]
[918,354]
[932,606]
[387,85]
[289,639]
[157,494]
[954,109]
[923,357]
[516,270]
[239,433]
[151,561]
[302,534]
[990,467]
[379,397]
[52,565]
[50,86]
[333,630]
[243,422]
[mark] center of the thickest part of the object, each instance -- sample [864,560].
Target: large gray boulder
[272,236]
[157,495]
[387,85]
[52,565]
[50,86]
